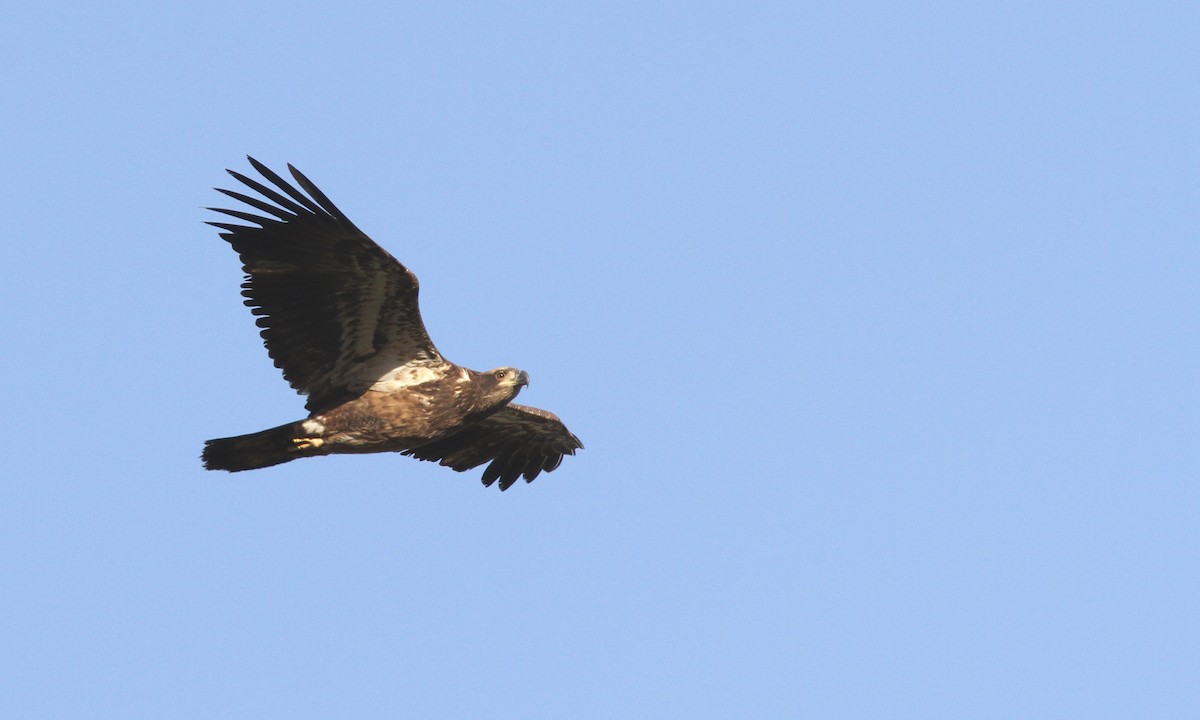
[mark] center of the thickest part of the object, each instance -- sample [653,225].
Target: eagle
[339,316]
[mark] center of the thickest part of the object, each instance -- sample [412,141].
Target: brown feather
[329,297]
[518,441]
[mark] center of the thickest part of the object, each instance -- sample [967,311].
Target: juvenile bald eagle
[339,316]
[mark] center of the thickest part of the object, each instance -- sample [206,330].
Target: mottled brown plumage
[340,318]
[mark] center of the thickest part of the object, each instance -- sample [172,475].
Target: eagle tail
[258,450]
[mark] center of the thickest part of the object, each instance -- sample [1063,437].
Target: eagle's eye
[500,374]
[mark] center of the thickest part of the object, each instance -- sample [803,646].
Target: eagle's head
[483,393]
[510,377]
[503,384]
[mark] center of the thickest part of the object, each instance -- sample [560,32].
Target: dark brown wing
[518,440]
[336,310]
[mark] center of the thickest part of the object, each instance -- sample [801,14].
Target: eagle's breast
[408,406]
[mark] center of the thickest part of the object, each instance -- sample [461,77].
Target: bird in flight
[339,316]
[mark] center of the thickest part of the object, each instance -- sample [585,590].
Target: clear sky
[878,320]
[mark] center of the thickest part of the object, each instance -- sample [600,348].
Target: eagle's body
[340,318]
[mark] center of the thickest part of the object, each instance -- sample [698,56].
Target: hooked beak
[522,379]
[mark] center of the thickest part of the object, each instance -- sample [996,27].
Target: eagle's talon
[307,443]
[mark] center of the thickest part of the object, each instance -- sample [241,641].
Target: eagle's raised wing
[337,311]
[518,440]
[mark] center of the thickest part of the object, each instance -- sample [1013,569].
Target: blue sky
[878,322]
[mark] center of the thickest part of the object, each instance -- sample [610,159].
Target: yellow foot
[307,443]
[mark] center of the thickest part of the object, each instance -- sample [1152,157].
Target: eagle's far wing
[336,310]
[518,440]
